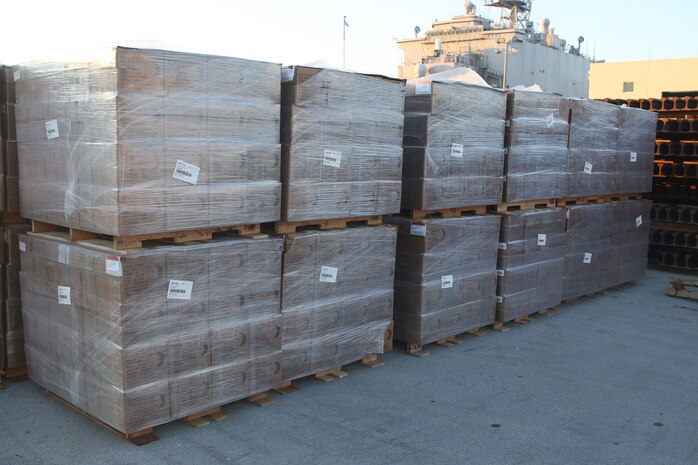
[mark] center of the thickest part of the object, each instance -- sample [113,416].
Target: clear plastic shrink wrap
[630,234]
[139,338]
[588,255]
[536,140]
[342,144]
[636,140]
[531,262]
[11,301]
[337,297]
[445,278]
[454,145]
[594,165]
[149,141]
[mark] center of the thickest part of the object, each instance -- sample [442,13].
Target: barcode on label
[328,274]
[550,120]
[186,172]
[64,295]
[52,129]
[587,167]
[457,150]
[180,290]
[542,239]
[112,265]
[633,156]
[332,158]
[447,281]
[587,258]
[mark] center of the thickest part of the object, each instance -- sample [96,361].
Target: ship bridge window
[628,86]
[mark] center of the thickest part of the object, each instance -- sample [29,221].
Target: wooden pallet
[522,320]
[16,374]
[679,288]
[445,212]
[135,242]
[284,227]
[329,375]
[622,197]
[580,200]
[525,205]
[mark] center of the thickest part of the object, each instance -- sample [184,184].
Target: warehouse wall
[648,78]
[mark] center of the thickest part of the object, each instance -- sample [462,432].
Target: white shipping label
[550,120]
[541,239]
[52,129]
[63,254]
[447,281]
[500,299]
[186,172]
[22,246]
[64,295]
[113,265]
[638,221]
[633,157]
[587,257]
[16,75]
[328,274]
[457,150]
[502,246]
[422,88]
[332,158]
[500,272]
[180,290]
[587,167]
[418,228]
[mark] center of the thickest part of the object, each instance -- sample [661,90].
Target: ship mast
[516,14]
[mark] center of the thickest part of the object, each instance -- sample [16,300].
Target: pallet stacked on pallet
[11,335]
[151,145]
[341,165]
[454,158]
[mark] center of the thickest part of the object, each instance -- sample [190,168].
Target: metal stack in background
[341,169]
[674,211]
[139,304]
[12,360]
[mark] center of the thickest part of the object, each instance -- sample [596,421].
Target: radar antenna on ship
[516,14]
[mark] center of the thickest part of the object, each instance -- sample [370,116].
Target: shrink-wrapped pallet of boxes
[445,279]
[142,337]
[593,162]
[342,144]
[588,254]
[454,145]
[337,297]
[630,233]
[636,143]
[149,141]
[531,262]
[536,140]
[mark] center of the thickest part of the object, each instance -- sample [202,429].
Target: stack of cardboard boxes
[152,141]
[342,158]
[11,333]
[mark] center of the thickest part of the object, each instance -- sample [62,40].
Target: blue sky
[306,31]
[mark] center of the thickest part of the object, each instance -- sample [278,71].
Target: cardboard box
[149,142]
[128,335]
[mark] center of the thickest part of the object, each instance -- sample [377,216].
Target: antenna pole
[344,43]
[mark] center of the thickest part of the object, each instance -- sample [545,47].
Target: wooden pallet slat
[285,227]
[580,200]
[525,205]
[445,212]
[136,241]
[685,288]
